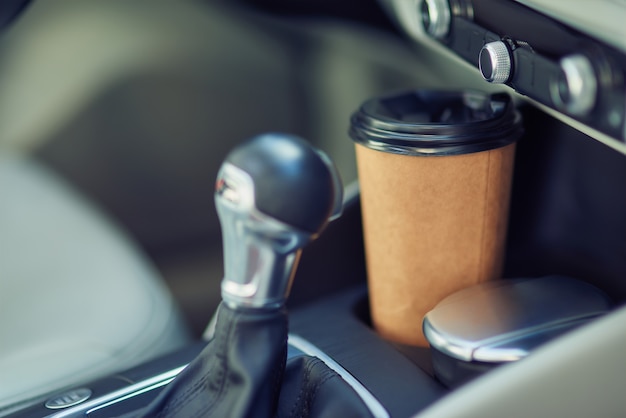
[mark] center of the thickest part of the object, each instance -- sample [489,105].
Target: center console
[566,73]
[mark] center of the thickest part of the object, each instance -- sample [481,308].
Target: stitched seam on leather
[278,374]
[302,392]
[329,374]
[219,376]
[224,382]
[311,394]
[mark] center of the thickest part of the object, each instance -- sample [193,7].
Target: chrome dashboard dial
[436,17]
[495,63]
[575,90]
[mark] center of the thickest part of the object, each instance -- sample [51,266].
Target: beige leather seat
[77,299]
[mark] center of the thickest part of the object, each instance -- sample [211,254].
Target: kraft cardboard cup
[435,173]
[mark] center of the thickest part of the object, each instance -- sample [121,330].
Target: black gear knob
[274,193]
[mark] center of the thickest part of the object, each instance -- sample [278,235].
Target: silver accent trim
[500,59]
[505,320]
[260,252]
[119,395]
[68,398]
[443,344]
[439,18]
[375,407]
[582,86]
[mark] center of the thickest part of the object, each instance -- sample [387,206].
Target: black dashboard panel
[551,62]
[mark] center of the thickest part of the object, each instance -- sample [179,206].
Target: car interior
[255,208]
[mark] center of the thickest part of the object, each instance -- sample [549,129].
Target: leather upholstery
[77,299]
[243,373]
[312,389]
[238,373]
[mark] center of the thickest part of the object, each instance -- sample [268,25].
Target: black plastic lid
[431,122]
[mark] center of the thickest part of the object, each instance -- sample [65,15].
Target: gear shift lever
[274,194]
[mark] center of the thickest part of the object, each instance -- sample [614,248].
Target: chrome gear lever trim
[260,253]
[274,194]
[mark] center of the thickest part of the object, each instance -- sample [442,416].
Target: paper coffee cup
[435,173]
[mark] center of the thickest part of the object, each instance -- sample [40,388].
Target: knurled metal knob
[436,18]
[494,62]
[575,89]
